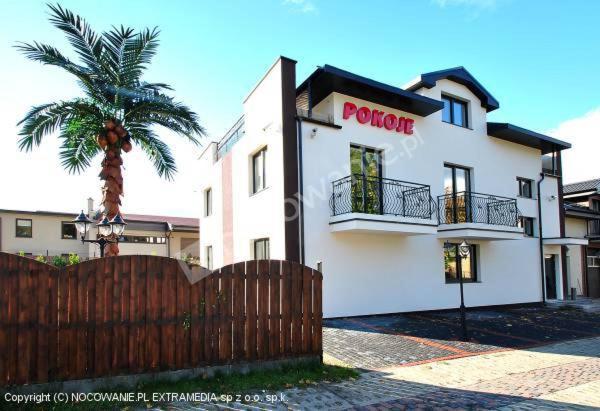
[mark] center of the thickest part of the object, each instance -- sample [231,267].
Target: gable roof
[459,75]
[582,186]
[519,135]
[328,79]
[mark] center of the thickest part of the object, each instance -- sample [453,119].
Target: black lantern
[109,231]
[464,250]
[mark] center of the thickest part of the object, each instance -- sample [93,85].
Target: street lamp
[464,250]
[108,231]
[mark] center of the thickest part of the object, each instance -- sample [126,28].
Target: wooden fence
[137,314]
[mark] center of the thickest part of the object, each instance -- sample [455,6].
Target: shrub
[59,261]
[40,258]
[21,253]
[73,259]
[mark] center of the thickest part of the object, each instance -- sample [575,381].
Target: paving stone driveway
[374,343]
[519,359]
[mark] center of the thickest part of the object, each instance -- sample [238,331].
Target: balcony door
[457,189]
[365,166]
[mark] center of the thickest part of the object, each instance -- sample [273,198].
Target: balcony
[478,216]
[361,203]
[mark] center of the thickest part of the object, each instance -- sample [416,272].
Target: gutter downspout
[300,190]
[541,236]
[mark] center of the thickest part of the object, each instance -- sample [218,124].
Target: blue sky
[537,58]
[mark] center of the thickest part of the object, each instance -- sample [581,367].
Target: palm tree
[117,109]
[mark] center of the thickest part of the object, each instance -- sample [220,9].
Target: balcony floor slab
[477,231]
[382,224]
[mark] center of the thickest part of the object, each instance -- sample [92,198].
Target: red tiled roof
[187,221]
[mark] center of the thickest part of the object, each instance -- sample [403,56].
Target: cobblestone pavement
[525,359]
[373,343]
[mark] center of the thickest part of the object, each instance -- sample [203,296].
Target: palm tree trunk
[112,190]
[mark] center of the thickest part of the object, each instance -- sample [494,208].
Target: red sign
[378,118]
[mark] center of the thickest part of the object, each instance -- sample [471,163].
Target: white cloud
[581,161]
[303,6]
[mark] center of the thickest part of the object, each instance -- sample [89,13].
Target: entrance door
[365,165]
[550,274]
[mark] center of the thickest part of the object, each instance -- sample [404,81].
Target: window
[207,202]
[366,167]
[261,249]
[457,188]
[525,187]
[454,111]
[24,228]
[142,239]
[593,261]
[526,223]
[454,264]
[259,161]
[68,231]
[209,257]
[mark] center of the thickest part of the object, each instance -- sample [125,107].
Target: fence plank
[4,324]
[317,313]
[286,307]
[239,304]
[99,310]
[225,310]
[296,308]
[81,276]
[262,339]
[251,290]
[306,309]
[274,308]
[90,318]
[209,312]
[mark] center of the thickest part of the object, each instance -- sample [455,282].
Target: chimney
[90,206]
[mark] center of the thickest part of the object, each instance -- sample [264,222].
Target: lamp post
[464,250]
[108,231]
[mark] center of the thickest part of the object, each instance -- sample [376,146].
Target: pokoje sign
[378,118]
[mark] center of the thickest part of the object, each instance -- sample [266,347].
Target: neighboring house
[52,233]
[377,186]
[582,208]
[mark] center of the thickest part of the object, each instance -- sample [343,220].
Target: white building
[50,233]
[377,185]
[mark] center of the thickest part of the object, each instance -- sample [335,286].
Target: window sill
[526,198]
[457,125]
[259,191]
[464,282]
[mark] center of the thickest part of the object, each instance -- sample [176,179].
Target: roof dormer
[459,75]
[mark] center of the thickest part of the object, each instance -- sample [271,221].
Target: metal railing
[231,137]
[359,193]
[470,207]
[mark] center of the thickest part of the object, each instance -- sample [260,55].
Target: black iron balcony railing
[470,207]
[358,193]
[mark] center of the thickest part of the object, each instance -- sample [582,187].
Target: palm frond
[114,44]
[87,44]
[138,53]
[46,118]
[156,149]
[78,145]
[50,55]
[165,112]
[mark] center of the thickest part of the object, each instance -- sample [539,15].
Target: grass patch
[288,376]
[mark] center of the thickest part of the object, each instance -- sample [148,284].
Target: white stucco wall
[46,239]
[367,273]
[212,226]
